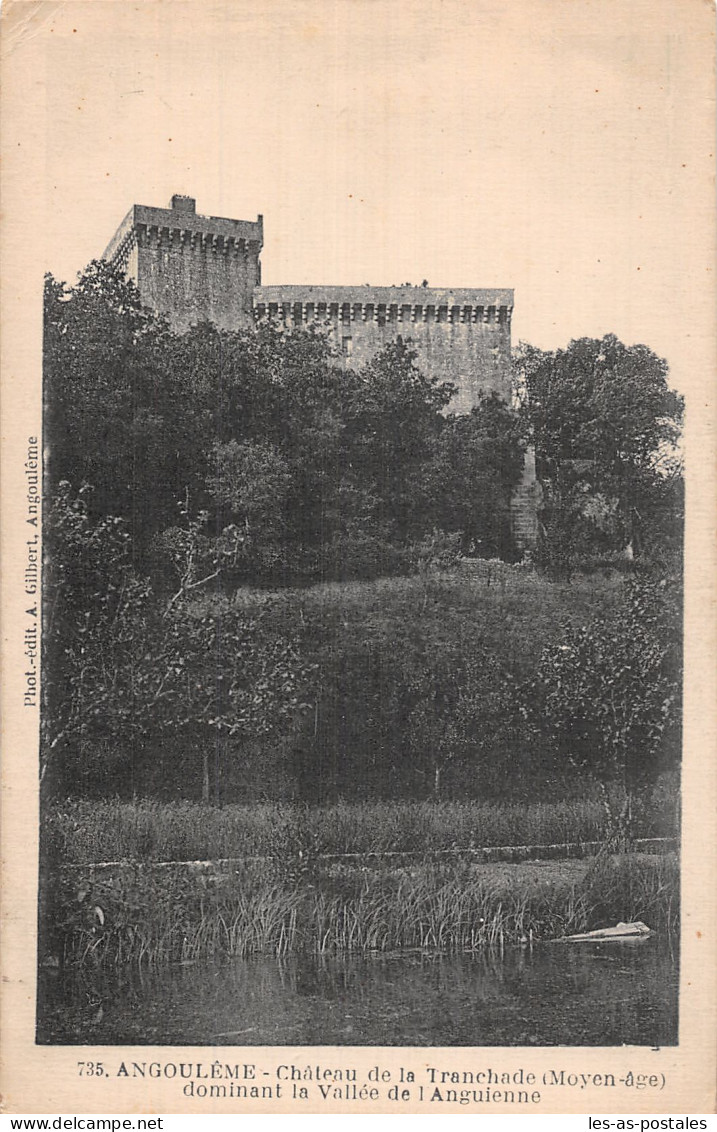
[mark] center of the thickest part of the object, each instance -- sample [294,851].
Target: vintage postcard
[358,448]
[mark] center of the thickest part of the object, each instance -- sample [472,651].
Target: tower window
[346,346]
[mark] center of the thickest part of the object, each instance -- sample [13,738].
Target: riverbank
[84,832]
[130,915]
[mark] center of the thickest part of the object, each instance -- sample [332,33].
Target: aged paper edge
[44,1079]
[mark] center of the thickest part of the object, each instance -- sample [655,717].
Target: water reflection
[586,994]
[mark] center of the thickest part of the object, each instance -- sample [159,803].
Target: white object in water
[620,931]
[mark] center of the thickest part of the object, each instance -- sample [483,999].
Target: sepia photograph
[352,539]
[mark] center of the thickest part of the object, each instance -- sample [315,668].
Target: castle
[191,267]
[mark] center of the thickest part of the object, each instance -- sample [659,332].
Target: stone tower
[190,267]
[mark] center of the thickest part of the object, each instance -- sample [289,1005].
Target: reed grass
[140,917]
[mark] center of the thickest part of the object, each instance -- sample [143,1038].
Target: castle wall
[462,336]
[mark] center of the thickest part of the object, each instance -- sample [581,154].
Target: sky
[563,148]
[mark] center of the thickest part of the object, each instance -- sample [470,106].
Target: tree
[476,461]
[608,693]
[95,633]
[119,412]
[126,667]
[219,669]
[393,413]
[226,672]
[605,425]
[460,712]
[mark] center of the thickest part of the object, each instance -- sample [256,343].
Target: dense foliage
[606,427]
[200,485]
[129,672]
[303,469]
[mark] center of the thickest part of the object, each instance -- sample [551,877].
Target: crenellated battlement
[398,305]
[180,225]
[182,240]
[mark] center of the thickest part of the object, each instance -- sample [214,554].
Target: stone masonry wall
[525,505]
[461,336]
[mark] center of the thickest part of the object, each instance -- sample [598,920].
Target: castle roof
[390,296]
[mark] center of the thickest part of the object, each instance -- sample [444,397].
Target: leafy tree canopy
[606,426]
[302,469]
[601,401]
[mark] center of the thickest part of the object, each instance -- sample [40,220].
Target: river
[550,994]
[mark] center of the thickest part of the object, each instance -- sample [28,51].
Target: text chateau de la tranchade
[191,268]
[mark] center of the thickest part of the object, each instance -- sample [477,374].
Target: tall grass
[138,916]
[86,832]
